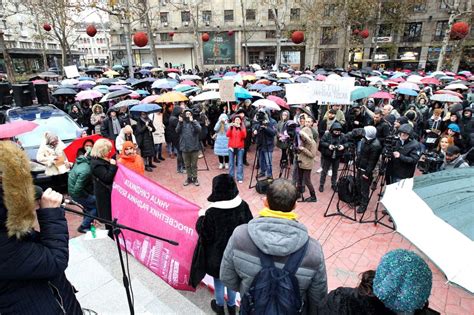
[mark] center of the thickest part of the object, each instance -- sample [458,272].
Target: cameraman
[332,147]
[189,131]
[368,155]
[406,154]
[264,132]
[357,118]
[382,126]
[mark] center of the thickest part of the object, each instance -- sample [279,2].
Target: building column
[423,57]
[366,56]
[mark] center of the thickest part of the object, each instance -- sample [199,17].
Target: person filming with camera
[189,131]
[264,131]
[332,146]
[405,156]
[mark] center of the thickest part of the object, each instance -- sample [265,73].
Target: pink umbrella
[391,83]
[430,80]
[149,99]
[321,77]
[449,73]
[16,128]
[134,95]
[449,92]
[382,95]
[409,85]
[398,80]
[39,82]
[88,95]
[188,82]
[280,102]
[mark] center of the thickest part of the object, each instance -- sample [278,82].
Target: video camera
[261,117]
[430,162]
[390,145]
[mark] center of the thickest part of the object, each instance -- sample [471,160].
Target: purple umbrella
[117,88]
[88,95]
[86,85]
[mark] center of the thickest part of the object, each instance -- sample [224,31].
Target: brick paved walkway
[349,247]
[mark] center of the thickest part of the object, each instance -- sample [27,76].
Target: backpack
[262,185]
[275,291]
[346,189]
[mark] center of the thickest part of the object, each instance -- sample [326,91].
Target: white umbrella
[409,85]
[211,86]
[256,66]
[206,96]
[256,94]
[415,79]
[69,82]
[173,75]
[374,79]
[190,77]
[332,77]
[456,86]
[261,73]
[283,75]
[437,74]
[446,98]
[266,103]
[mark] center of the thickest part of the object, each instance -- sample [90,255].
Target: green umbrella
[363,92]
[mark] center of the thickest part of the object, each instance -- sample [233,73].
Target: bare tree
[280,12]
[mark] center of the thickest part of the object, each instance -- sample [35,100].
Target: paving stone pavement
[349,247]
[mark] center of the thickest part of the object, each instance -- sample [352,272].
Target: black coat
[107,129]
[145,137]
[166,123]
[363,120]
[103,174]
[171,129]
[405,165]
[328,139]
[368,156]
[215,229]
[32,268]
[383,131]
[189,136]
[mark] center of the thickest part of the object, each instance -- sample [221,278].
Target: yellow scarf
[265,212]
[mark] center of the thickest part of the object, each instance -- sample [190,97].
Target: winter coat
[159,133]
[405,165]
[166,123]
[307,149]
[77,117]
[103,174]
[324,125]
[124,119]
[216,227]
[107,129]
[328,139]
[133,162]
[221,145]
[363,120]
[122,137]
[173,123]
[279,238]
[46,155]
[236,137]
[368,156]
[144,134]
[383,131]
[79,183]
[265,137]
[189,133]
[459,162]
[96,119]
[32,264]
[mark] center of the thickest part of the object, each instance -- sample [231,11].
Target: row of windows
[91,40]
[250,15]
[93,51]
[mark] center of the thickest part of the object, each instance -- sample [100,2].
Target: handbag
[198,265]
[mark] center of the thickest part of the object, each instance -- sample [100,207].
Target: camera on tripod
[261,118]
[430,162]
[390,146]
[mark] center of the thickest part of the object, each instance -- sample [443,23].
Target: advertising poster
[144,205]
[219,49]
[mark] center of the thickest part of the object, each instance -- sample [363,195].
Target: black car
[48,118]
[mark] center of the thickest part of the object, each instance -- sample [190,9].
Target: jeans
[89,207]
[158,148]
[240,163]
[219,293]
[170,148]
[190,161]
[327,164]
[265,161]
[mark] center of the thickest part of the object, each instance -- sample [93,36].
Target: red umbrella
[280,102]
[172,70]
[39,81]
[263,81]
[398,80]
[71,149]
[430,80]
[382,95]
[449,92]
[15,128]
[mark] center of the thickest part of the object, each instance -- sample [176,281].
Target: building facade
[246,33]
[95,51]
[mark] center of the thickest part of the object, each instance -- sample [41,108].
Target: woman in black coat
[144,133]
[32,263]
[215,226]
[174,137]
[103,172]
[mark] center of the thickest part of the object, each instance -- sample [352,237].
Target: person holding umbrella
[144,134]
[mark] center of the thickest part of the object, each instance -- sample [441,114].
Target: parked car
[48,118]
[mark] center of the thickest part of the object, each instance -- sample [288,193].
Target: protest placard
[142,204]
[300,93]
[226,90]
[71,72]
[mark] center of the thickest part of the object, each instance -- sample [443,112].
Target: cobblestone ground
[349,247]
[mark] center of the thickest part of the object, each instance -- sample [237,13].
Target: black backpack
[346,189]
[275,291]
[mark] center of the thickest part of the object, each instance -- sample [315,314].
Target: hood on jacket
[83,159]
[223,117]
[17,213]
[176,111]
[97,106]
[277,237]
[406,128]
[335,126]
[281,115]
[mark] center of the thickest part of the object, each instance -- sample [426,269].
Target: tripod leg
[257,152]
[126,282]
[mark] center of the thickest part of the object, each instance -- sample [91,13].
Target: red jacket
[236,137]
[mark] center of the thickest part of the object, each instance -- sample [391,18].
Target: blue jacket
[221,145]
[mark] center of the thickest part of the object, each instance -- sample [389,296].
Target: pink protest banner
[145,205]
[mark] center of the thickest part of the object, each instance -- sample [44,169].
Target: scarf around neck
[265,212]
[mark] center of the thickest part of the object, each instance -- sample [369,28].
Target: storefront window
[327,57]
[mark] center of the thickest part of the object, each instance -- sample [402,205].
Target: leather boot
[217,308]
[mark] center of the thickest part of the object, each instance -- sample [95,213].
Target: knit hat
[402,281]
[454,127]
[370,132]
[402,120]
[127,145]
[223,188]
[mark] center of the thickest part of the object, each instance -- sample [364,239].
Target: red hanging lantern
[230,33]
[91,30]
[459,30]
[205,37]
[364,33]
[140,39]
[171,34]
[47,27]
[297,37]
[355,32]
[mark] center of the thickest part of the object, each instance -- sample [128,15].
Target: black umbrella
[356,74]
[48,74]
[94,71]
[113,95]
[110,81]
[64,91]
[143,83]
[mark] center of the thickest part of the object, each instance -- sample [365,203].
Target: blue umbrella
[284,81]
[230,74]
[398,75]
[131,80]
[257,86]
[146,108]
[242,93]
[85,79]
[271,88]
[145,71]
[143,92]
[104,89]
[406,92]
